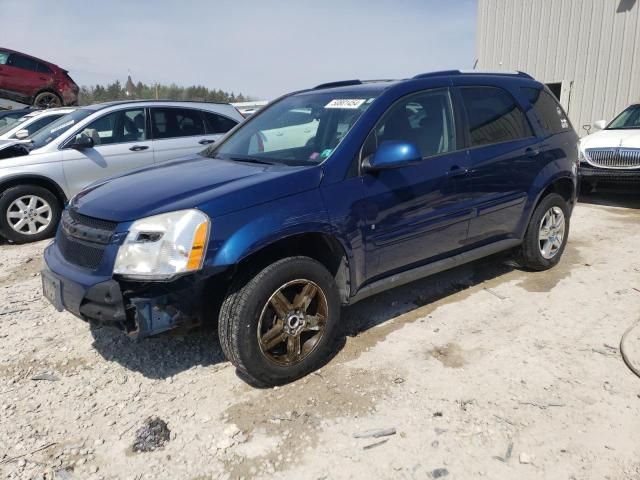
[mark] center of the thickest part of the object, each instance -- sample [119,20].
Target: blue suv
[323,198]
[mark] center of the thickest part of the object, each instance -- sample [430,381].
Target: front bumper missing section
[143,311]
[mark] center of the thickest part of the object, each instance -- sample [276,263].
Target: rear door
[121,143]
[504,160]
[178,132]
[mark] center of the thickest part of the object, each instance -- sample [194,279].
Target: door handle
[138,148]
[532,152]
[457,171]
[206,142]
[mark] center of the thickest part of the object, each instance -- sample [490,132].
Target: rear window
[494,116]
[549,113]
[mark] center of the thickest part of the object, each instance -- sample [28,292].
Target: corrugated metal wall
[591,46]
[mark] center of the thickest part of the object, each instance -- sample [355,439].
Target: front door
[419,212]
[120,142]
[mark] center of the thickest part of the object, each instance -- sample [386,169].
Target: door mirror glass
[600,124]
[82,142]
[22,134]
[392,154]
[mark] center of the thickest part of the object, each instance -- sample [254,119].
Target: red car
[29,80]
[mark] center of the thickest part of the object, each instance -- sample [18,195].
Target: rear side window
[494,116]
[176,122]
[20,61]
[549,113]
[217,124]
[42,68]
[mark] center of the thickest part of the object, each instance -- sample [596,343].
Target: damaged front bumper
[140,309]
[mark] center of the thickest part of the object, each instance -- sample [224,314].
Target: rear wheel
[47,100]
[547,234]
[28,213]
[280,324]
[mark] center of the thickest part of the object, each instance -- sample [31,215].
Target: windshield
[55,129]
[302,129]
[630,118]
[10,123]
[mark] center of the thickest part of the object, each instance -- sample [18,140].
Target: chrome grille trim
[618,158]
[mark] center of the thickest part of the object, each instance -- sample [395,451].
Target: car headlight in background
[165,245]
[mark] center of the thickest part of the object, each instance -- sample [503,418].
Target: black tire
[47,100]
[530,255]
[240,316]
[10,195]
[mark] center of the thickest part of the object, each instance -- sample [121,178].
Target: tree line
[141,91]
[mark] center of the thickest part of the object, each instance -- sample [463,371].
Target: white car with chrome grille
[612,155]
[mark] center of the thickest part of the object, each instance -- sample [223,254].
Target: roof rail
[343,83]
[474,72]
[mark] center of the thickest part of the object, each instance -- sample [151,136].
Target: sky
[258,48]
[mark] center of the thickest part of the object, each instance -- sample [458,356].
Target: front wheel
[547,234]
[280,324]
[28,213]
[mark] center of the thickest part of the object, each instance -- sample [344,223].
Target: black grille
[92,222]
[80,253]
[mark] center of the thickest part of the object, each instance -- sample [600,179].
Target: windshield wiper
[251,160]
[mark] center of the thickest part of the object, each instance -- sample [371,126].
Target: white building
[586,51]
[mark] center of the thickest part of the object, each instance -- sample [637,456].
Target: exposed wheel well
[321,247]
[47,183]
[563,187]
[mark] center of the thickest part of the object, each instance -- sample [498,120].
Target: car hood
[215,186]
[612,139]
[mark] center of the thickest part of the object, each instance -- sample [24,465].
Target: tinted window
[41,123]
[176,122]
[493,116]
[4,56]
[549,113]
[424,119]
[117,127]
[217,123]
[42,68]
[20,61]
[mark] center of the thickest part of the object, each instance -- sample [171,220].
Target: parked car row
[318,200]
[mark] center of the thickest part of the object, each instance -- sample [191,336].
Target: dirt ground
[485,371]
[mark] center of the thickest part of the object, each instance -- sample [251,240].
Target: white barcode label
[351,103]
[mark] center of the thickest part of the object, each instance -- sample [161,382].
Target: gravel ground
[483,371]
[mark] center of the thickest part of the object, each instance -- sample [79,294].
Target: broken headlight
[165,245]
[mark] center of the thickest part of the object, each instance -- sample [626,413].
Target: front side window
[302,129]
[630,118]
[548,112]
[424,119]
[494,116]
[20,61]
[4,56]
[176,122]
[117,127]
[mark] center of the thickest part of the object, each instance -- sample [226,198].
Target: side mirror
[22,134]
[82,142]
[392,154]
[600,124]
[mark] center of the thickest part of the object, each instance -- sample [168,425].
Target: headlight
[162,246]
[582,154]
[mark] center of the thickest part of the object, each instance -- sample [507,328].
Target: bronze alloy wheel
[292,322]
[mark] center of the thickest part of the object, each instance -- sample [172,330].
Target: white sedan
[33,121]
[612,155]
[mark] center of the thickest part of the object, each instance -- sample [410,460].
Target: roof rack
[444,73]
[343,83]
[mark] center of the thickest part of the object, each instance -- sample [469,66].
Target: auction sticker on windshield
[352,103]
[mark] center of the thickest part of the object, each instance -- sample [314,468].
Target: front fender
[237,235]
